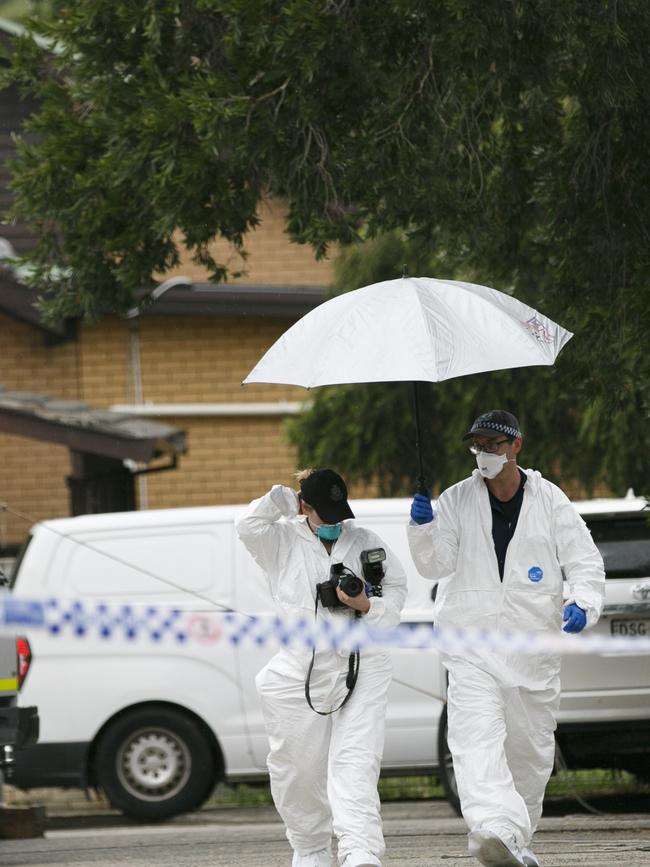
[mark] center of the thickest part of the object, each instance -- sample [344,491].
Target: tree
[510,138]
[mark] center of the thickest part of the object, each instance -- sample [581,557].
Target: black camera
[372,563]
[340,576]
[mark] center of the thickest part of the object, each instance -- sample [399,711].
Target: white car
[605,705]
[156,723]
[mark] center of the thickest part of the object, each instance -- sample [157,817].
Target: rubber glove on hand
[575,618]
[421,511]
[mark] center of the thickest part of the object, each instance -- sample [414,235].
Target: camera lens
[350,584]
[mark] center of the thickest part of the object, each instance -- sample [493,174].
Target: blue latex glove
[575,618]
[421,511]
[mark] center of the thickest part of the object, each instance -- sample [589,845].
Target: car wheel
[446,765]
[153,763]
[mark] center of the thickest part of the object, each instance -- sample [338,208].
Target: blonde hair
[301,475]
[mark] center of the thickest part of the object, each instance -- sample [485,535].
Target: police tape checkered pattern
[157,624]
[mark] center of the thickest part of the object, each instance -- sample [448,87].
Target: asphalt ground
[418,834]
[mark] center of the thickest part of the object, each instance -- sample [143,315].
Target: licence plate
[630,627]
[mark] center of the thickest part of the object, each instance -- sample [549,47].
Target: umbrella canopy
[413,328]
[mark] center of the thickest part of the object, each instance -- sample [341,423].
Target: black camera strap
[350,681]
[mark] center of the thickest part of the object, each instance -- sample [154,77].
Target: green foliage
[588,783]
[368,433]
[508,140]
[15,10]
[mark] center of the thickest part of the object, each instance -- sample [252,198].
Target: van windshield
[624,544]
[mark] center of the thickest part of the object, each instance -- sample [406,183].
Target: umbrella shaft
[418,440]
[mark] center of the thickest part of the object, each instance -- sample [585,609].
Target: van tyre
[155,762]
[446,765]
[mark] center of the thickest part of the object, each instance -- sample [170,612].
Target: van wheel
[446,765]
[155,762]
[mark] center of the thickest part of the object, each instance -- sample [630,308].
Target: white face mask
[489,466]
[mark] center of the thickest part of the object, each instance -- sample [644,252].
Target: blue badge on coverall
[535,573]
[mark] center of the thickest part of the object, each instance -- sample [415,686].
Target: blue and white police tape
[105,621]
[345,633]
[60,617]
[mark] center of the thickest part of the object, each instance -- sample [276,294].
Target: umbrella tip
[405,270]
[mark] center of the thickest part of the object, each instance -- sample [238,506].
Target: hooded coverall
[502,704]
[323,769]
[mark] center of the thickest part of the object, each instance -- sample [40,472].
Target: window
[624,544]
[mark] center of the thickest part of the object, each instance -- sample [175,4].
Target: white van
[156,725]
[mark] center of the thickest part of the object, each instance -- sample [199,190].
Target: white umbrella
[415,329]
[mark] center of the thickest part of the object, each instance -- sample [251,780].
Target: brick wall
[272,259]
[230,460]
[29,365]
[191,360]
[32,482]
[104,369]
[33,473]
[204,360]
[182,360]
[196,360]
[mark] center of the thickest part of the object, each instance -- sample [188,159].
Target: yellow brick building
[181,360]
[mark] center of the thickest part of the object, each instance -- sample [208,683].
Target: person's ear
[517,444]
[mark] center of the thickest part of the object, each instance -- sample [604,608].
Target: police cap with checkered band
[495,423]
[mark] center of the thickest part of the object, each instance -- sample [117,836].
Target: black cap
[495,423]
[325,491]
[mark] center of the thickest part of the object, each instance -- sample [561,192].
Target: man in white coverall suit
[323,767]
[498,544]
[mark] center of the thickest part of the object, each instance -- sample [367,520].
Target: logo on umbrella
[538,329]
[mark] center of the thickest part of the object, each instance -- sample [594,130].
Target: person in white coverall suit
[499,544]
[323,768]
